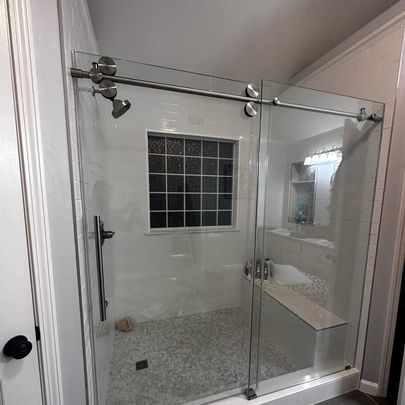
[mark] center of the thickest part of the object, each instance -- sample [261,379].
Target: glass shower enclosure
[225,253]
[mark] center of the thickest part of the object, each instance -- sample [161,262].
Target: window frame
[235,183]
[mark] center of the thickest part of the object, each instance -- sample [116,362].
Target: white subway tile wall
[371,72]
[163,275]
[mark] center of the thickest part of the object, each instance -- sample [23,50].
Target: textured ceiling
[240,39]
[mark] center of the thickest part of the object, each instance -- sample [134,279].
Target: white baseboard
[369,387]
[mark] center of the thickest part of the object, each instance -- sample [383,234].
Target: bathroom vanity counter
[290,235]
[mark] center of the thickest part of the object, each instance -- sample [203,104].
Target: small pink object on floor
[125,324]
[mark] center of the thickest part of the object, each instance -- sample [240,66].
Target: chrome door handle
[100,235]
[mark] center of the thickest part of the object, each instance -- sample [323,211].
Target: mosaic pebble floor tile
[189,358]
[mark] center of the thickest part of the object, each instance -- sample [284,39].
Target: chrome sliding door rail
[82,74]
[360,116]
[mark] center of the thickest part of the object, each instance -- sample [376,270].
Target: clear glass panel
[175,178]
[220,277]
[316,191]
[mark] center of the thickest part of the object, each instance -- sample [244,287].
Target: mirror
[310,185]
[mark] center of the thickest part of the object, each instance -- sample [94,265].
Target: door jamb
[28,117]
[399,249]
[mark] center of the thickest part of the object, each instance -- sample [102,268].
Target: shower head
[120,107]
[107,87]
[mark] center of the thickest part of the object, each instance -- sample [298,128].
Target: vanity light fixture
[326,156]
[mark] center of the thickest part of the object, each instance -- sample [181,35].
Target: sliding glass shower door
[175,179]
[226,244]
[318,173]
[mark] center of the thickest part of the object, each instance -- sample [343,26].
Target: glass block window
[191,181]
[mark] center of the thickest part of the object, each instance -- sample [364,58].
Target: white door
[19,378]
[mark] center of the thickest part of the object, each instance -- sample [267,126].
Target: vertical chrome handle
[98,226]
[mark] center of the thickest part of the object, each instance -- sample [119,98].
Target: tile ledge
[300,306]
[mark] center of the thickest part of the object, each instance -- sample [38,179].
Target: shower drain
[140,365]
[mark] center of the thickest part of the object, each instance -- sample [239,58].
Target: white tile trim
[369,387]
[399,250]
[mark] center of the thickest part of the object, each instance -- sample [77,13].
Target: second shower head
[120,107]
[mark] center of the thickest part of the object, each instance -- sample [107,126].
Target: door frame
[393,218]
[36,58]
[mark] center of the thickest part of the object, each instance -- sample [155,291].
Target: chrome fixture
[107,64]
[100,235]
[330,155]
[250,109]
[107,87]
[95,74]
[252,90]
[120,107]
[361,116]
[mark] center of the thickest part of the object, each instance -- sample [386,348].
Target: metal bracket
[252,91]
[250,109]
[362,115]
[107,89]
[250,394]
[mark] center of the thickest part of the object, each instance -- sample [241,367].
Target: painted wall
[231,39]
[370,70]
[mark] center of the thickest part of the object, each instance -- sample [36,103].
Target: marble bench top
[309,311]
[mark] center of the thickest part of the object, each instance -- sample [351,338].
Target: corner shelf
[302,191]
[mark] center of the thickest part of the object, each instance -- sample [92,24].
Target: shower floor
[189,357]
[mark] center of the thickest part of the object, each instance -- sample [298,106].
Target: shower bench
[309,334]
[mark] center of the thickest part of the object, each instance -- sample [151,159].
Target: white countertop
[313,241]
